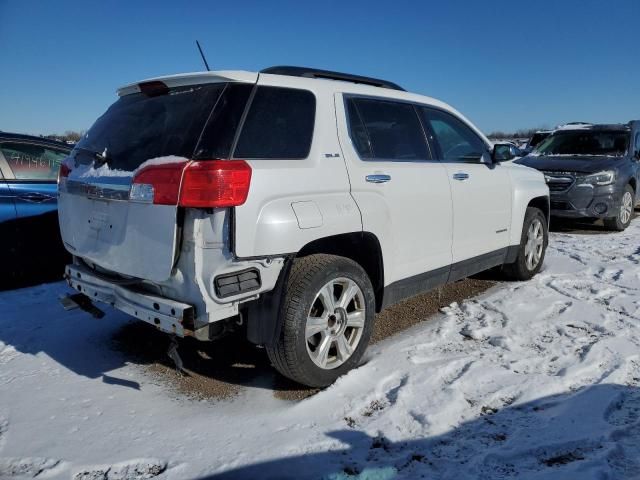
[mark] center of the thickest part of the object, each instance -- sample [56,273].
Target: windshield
[140,127]
[585,142]
[537,138]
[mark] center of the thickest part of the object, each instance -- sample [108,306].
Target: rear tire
[327,318]
[622,220]
[532,248]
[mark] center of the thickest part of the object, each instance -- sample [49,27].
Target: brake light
[158,184]
[154,88]
[202,184]
[63,173]
[215,184]
[64,170]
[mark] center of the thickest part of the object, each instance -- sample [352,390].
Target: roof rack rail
[315,73]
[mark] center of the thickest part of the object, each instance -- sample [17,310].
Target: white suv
[294,202]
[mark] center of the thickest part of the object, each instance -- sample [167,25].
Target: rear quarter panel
[268,223]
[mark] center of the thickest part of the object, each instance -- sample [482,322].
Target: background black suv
[592,171]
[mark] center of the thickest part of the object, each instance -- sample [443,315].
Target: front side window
[388,130]
[585,142]
[32,162]
[458,143]
[279,125]
[638,144]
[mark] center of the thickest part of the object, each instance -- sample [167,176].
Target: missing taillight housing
[201,184]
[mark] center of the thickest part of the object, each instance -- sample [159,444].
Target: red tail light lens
[158,184]
[203,184]
[215,184]
[64,171]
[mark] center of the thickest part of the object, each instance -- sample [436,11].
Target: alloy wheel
[535,244]
[626,208]
[335,323]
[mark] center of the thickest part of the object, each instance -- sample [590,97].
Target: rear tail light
[64,170]
[215,183]
[203,184]
[158,184]
[63,173]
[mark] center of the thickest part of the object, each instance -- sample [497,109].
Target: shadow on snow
[589,433]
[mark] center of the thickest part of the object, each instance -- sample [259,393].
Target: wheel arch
[263,315]
[633,183]
[541,203]
[361,247]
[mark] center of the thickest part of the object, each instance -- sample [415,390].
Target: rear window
[138,127]
[279,125]
[32,162]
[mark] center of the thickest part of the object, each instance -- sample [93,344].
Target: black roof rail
[315,73]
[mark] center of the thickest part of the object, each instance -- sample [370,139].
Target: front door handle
[35,197]
[378,178]
[461,176]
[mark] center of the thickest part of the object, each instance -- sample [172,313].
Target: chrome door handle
[460,176]
[378,178]
[35,197]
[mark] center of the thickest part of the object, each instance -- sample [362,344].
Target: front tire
[622,220]
[327,318]
[532,248]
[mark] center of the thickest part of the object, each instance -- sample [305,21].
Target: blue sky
[506,64]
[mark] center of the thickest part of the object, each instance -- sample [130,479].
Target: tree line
[68,136]
[522,133]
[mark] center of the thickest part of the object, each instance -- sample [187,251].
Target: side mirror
[503,152]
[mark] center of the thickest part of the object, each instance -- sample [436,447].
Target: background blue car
[30,243]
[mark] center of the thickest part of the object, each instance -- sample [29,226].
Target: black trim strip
[424,282]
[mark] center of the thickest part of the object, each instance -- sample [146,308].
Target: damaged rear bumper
[165,314]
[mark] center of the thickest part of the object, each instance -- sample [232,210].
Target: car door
[403,194]
[480,189]
[636,163]
[34,236]
[7,206]
[33,173]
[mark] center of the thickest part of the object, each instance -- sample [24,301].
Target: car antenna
[202,55]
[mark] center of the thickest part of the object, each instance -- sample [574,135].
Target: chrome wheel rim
[626,208]
[335,323]
[535,244]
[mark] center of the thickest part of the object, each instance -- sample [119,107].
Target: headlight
[600,178]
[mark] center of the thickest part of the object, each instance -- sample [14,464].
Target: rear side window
[32,162]
[458,143]
[279,125]
[386,130]
[139,127]
[359,135]
[217,138]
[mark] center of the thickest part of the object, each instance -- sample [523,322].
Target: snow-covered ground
[530,380]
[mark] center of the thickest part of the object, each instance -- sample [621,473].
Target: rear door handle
[378,178]
[460,176]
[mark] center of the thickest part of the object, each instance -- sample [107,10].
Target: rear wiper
[101,158]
